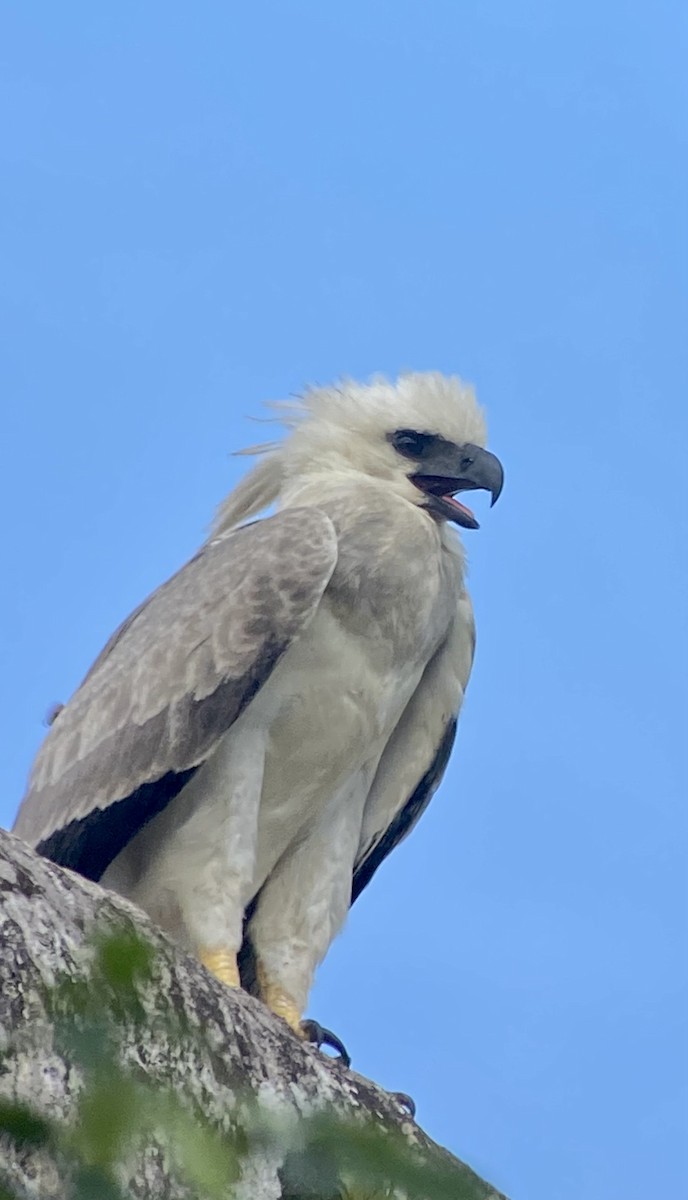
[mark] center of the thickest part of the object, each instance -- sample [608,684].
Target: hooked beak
[459,469]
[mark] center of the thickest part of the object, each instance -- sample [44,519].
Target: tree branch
[128,1071]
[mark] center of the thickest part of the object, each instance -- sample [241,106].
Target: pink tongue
[461,507]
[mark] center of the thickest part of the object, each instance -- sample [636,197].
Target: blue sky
[205,207]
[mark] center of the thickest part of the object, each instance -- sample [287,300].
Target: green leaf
[23,1126]
[124,960]
[110,1115]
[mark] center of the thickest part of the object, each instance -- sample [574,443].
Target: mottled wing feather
[415,759]
[180,669]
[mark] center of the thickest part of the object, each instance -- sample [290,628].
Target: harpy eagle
[262,731]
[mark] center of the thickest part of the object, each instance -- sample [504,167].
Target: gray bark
[220,1055]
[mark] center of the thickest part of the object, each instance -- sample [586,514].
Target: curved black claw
[318,1036]
[405,1101]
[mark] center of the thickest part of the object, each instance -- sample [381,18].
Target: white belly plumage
[278,807]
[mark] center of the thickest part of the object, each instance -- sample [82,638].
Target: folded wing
[169,683]
[417,754]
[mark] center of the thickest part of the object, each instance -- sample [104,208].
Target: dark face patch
[416,445]
[442,469]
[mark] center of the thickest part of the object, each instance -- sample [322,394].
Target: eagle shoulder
[178,672]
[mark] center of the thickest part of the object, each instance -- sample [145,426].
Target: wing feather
[416,756]
[178,672]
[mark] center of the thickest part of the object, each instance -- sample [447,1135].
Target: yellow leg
[222,964]
[281,1003]
[284,1006]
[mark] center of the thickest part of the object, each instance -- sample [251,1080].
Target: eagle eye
[411,443]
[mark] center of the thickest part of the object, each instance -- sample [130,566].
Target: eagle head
[422,435]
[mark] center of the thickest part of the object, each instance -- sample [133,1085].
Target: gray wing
[416,756]
[170,682]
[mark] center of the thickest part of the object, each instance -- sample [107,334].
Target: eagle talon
[317,1035]
[222,964]
[405,1101]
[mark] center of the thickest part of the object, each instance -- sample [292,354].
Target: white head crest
[345,427]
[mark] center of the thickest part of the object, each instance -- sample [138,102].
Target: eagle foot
[222,964]
[317,1035]
[405,1101]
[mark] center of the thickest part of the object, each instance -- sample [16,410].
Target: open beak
[459,469]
